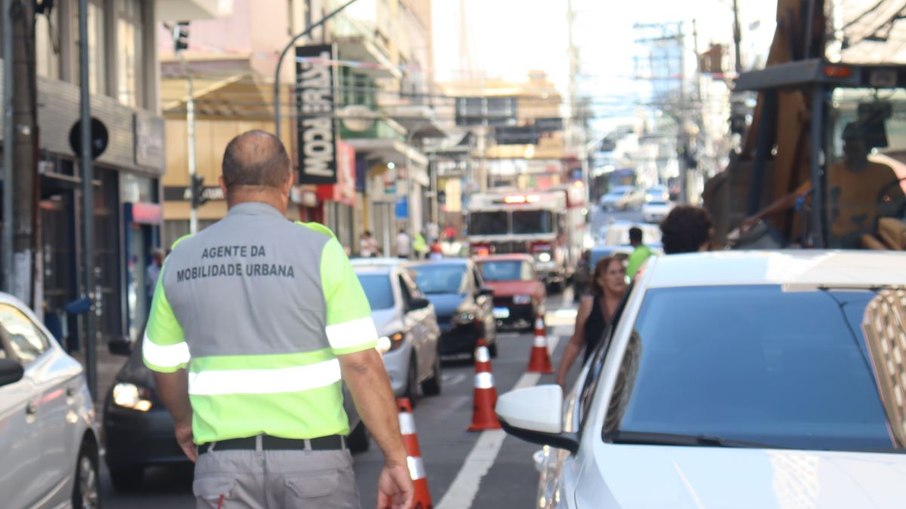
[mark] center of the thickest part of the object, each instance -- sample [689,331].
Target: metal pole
[190,134]
[283,53]
[683,136]
[737,37]
[8,134]
[85,163]
[816,226]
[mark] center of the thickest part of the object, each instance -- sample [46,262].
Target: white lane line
[482,456]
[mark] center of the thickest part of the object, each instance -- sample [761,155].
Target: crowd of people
[424,244]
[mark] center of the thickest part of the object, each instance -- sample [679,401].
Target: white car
[407,324]
[48,433]
[622,198]
[761,380]
[656,210]
[657,193]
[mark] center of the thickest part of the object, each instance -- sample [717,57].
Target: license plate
[501,313]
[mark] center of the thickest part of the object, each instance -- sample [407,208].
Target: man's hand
[185,439]
[395,490]
[748,223]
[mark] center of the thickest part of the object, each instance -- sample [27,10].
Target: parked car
[463,303]
[734,379]
[48,433]
[657,193]
[655,211]
[407,324]
[622,198]
[519,292]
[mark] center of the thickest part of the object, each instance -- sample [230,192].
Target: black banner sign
[316,126]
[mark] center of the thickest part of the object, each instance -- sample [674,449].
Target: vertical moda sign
[316,128]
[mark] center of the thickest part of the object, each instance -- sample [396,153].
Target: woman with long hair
[596,310]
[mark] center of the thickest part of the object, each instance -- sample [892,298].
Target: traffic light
[181,36]
[198,197]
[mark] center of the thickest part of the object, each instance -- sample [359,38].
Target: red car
[519,292]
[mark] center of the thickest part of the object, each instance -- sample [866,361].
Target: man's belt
[270,443]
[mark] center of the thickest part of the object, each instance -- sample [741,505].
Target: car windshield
[378,290]
[434,279]
[533,221]
[488,223]
[658,203]
[708,363]
[506,270]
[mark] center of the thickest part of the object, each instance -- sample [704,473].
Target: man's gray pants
[240,479]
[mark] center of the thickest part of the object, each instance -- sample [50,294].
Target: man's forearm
[366,377]
[173,389]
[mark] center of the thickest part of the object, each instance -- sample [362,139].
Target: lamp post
[283,53]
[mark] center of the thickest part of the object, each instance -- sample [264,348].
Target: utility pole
[86,165]
[24,147]
[180,44]
[577,120]
[737,37]
[683,120]
[8,134]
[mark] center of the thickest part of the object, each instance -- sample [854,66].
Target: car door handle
[70,391]
[31,408]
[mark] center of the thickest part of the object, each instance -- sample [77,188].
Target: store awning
[223,88]
[388,150]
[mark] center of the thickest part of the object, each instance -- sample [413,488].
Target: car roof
[803,268]
[376,262]
[502,257]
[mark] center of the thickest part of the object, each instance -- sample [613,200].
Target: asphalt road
[441,423]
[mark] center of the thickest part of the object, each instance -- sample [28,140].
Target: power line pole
[8,134]
[24,147]
[737,37]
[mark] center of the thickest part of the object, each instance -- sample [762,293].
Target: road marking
[482,456]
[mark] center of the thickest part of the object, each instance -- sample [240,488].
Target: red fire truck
[548,224]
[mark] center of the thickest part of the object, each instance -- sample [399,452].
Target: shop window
[97,43]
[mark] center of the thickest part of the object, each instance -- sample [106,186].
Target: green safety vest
[258,308]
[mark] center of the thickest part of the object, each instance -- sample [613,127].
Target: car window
[440,278]
[377,290]
[26,340]
[596,361]
[710,364]
[528,272]
[505,270]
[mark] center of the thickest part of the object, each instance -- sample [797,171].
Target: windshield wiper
[649,437]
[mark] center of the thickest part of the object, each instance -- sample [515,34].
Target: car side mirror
[535,415]
[10,372]
[120,346]
[486,292]
[418,303]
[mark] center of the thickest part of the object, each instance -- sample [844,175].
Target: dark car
[519,292]
[463,304]
[138,429]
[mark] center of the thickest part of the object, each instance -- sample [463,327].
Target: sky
[507,38]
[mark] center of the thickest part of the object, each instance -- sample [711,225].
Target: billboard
[316,127]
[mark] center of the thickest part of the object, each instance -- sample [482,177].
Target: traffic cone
[422,498]
[485,395]
[540,360]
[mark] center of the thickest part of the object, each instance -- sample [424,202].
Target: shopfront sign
[344,190]
[316,126]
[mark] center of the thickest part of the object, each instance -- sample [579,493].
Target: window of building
[97,60]
[129,51]
[47,45]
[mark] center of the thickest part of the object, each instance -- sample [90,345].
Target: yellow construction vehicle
[823,164]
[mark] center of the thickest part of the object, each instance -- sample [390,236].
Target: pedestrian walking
[368,246]
[595,312]
[256,324]
[403,244]
[640,252]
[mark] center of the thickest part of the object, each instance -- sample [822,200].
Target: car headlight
[131,396]
[463,318]
[522,299]
[390,343]
[544,257]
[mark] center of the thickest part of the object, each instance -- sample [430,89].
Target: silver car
[407,325]
[48,432]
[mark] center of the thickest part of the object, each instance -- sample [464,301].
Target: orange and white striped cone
[485,395]
[540,360]
[422,498]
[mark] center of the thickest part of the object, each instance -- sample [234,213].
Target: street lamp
[283,53]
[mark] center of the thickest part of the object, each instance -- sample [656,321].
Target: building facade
[381,109]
